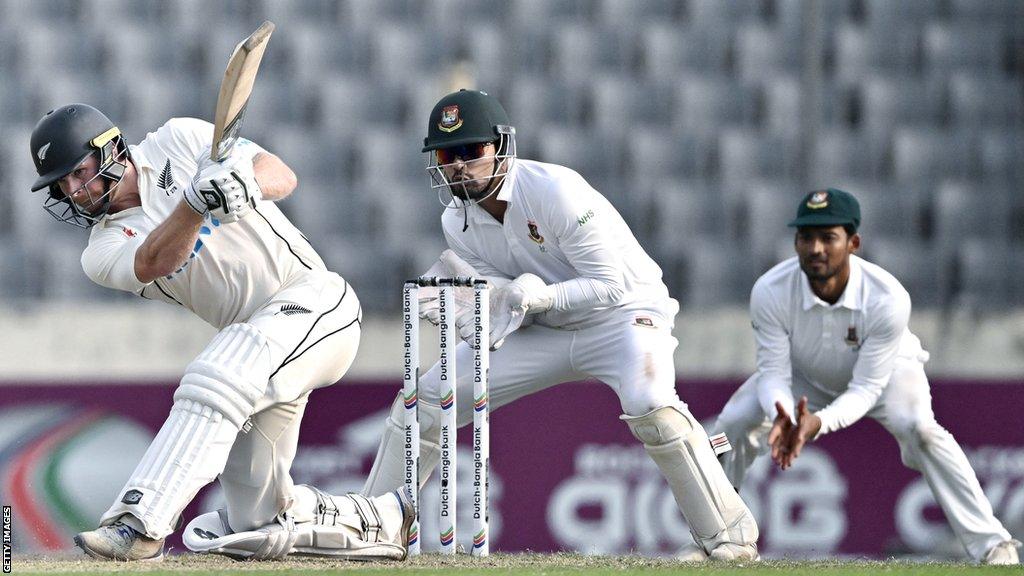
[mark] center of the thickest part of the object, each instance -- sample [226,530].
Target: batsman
[574,296]
[168,223]
[831,329]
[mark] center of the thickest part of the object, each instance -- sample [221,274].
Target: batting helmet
[61,141]
[464,118]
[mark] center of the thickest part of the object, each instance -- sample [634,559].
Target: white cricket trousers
[905,410]
[313,350]
[632,353]
[311,328]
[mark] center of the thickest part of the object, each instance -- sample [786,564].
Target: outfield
[518,564]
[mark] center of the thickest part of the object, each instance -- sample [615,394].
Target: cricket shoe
[727,552]
[1003,554]
[692,553]
[120,541]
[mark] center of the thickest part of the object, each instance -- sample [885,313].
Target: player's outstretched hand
[228,194]
[807,427]
[778,437]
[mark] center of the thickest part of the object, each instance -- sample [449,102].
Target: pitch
[516,564]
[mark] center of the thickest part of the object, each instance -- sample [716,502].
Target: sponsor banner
[566,474]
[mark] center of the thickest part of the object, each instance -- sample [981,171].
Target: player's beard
[469,190]
[474,190]
[818,273]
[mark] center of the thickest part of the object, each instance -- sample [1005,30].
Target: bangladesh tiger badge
[450,119]
[534,233]
[818,200]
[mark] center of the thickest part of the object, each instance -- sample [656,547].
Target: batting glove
[227,194]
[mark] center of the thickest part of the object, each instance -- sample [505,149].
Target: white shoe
[692,553]
[729,552]
[1003,554]
[119,541]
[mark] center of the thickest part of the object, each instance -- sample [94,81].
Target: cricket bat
[235,90]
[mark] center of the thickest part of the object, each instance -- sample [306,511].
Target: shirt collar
[479,215]
[139,158]
[851,298]
[505,192]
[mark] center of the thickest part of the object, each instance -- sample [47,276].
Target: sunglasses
[467,152]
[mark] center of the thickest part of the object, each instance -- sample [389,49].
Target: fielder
[168,224]
[575,297]
[831,329]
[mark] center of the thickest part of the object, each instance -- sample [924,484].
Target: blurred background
[703,121]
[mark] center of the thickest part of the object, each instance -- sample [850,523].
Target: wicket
[448,400]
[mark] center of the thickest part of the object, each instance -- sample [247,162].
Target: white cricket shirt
[846,349]
[558,227]
[234,268]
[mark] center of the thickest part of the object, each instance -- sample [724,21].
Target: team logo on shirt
[851,338]
[818,200]
[450,119]
[132,497]
[292,309]
[129,232]
[585,217]
[166,181]
[644,321]
[534,233]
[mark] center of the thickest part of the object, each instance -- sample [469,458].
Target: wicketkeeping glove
[449,264]
[510,305]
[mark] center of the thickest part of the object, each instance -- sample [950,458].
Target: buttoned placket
[827,326]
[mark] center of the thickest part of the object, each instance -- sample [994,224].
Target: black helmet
[464,118]
[62,140]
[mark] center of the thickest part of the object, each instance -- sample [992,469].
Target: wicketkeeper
[831,329]
[575,296]
[168,224]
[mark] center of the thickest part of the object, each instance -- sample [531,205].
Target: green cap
[831,207]
[465,117]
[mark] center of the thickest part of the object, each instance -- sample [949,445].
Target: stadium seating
[842,153]
[986,273]
[763,52]
[970,46]
[745,154]
[709,103]
[1001,153]
[912,262]
[885,48]
[930,154]
[985,100]
[690,115]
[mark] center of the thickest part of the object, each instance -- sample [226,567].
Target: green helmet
[466,117]
[463,119]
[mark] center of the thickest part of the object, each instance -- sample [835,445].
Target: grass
[518,564]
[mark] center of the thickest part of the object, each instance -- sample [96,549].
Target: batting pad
[217,394]
[188,452]
[388,472]
[679,446]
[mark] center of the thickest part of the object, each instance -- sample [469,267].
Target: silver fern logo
[292,309]
[41,154]
[166,180]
